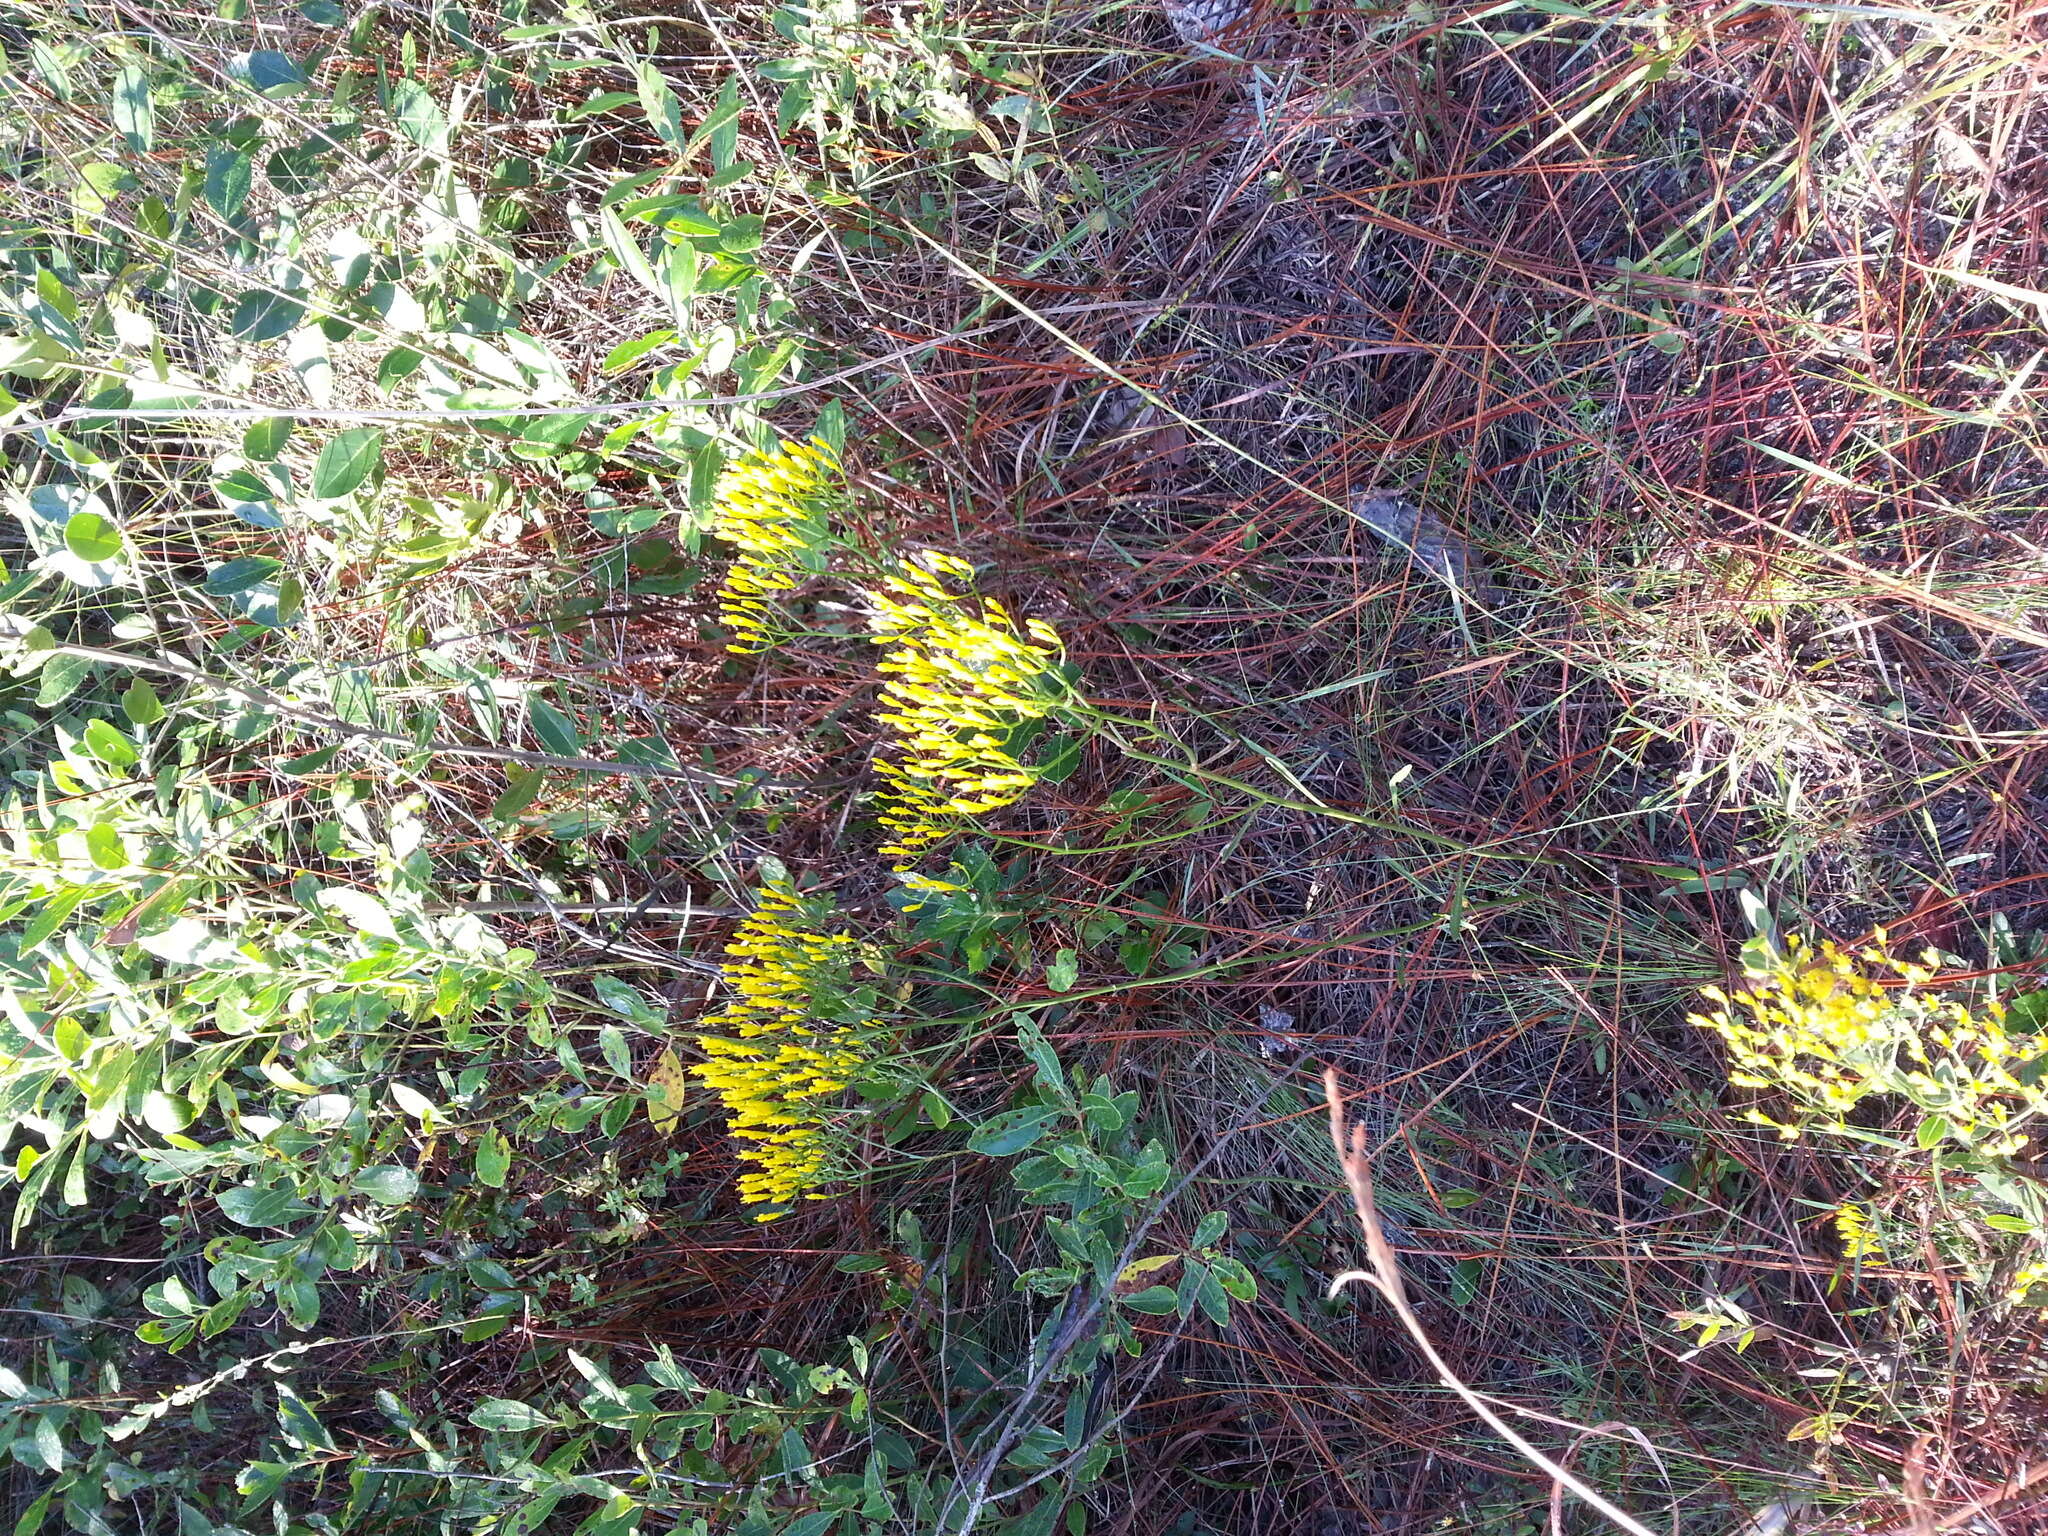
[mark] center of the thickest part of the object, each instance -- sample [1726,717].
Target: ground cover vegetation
[713,715]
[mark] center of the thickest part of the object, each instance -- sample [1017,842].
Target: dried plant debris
[1198,22]
[1429,544]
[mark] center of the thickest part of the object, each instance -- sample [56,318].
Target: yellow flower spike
[960,679]
[1852,1227]
[774,508]
[774,1062]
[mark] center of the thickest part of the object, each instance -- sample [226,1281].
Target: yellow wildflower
[2023,1282]
[1852,1227]
[776,1062]
[964,681]
[774,507]
[1826,1029]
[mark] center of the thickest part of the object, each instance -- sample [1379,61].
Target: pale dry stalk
[1384,1276]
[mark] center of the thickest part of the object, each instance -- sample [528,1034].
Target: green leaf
[50,919]
[50,65]
[309,762]
[386,1183]
[1034,1045]
[49,1442]
[32,357]
[60,678]
[721,125]
[603,101]
[133,111]
[649,750]
[521,790]
[299,1300]
[397,365]
[264,440]
[428,547]
[1157,1300]
[354,695]
[346,462]
[260,1479]
[31,1520]
[624,999]
[626,353]
[269,73]
[557,732]
[359,909]
[1931,1133]
[103,843]
[533,1514]
[249,1206]
[741,235]
[419,116]
[493,1159]
[71,1038]
[92,537]
[101,181]
[109,745]
[508,1414]
[1458,1199]
[620,241]
[557,431]
[141,705]
[617,1055]
[165,1112]
[229,174]
[1211,1229]
[1465,1277]
[240,575]
[1235,1279]
[169,1298]
[261,315]
[1063,971]
[299,1422]
[664,112]
[1013,1130]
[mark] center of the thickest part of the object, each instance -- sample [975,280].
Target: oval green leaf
[92,537]
[346,462]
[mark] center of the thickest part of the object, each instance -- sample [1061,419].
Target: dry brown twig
[1384,1276]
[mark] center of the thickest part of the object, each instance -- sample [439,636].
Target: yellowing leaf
[666,1084]
[413,1102]
[1136,1273]
[282,1075]
[493,1159]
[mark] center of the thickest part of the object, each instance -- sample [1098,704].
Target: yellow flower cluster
[963,681]
[963,677]
[774,507]
[777,1062]
[1830,1029]
[1852,1226]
